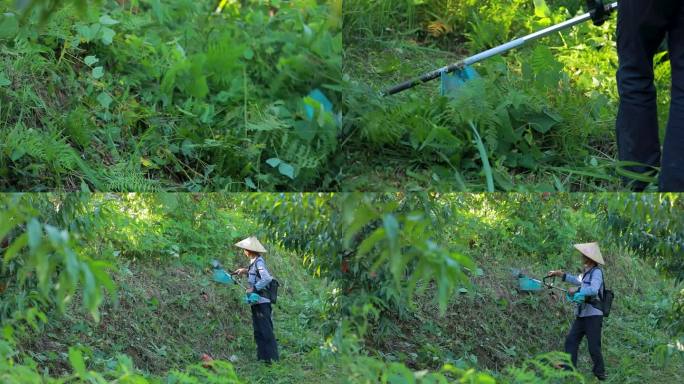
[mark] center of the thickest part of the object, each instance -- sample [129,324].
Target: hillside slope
[169,314]
[492,325]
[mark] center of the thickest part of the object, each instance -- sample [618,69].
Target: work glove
[598,12]
[578,298]
[252,298]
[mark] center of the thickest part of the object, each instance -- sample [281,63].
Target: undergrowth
[149,95]
[538,118]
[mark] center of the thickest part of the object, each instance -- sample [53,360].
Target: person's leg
[267,349]
[258,331]
[641,28]
[574,338]
[594,324]
[272,345]
[672,173]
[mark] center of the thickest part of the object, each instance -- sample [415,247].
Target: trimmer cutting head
[222,277]
[451,82]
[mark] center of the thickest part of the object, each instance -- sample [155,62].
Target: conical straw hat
[592,251]
[251,244]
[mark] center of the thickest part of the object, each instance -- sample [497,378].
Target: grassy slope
[169,314]
[493,325]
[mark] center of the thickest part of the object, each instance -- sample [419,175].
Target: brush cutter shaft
[551,286]
[495,51]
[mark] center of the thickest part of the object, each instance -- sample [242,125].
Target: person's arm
[251,279]
[265,275]
[592,289]
[570,279]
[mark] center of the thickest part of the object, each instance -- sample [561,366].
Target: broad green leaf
[98,72]
[85,32]
[250,183]
[90,60]
[287,170]
[541,9]
[18,153]
[107,20]
[104,99]
[107,35]
[9,25]
[273,162]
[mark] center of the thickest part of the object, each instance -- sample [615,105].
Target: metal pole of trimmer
[608,8]
[550,285]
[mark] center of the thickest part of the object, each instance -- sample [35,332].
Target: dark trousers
[591,327]
[642,27]
[267,348]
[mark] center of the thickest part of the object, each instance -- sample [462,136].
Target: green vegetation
[390,288]
[540,118]
[153,253]
[426,284]
[149,95]
[167,95]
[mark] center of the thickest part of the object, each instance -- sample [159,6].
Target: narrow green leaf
[35,234]
[487,168]
[369,242]
[4,81]
[77,363]
[18,243]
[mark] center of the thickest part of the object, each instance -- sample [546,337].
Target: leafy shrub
[375,247]
[158,95]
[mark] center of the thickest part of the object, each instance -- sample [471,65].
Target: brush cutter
[454,75]
[528,284]
[226,278]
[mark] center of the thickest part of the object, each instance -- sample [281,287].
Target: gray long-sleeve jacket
[254,281]
[588,288]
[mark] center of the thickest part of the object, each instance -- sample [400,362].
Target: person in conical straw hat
[587,293]
[259,279]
